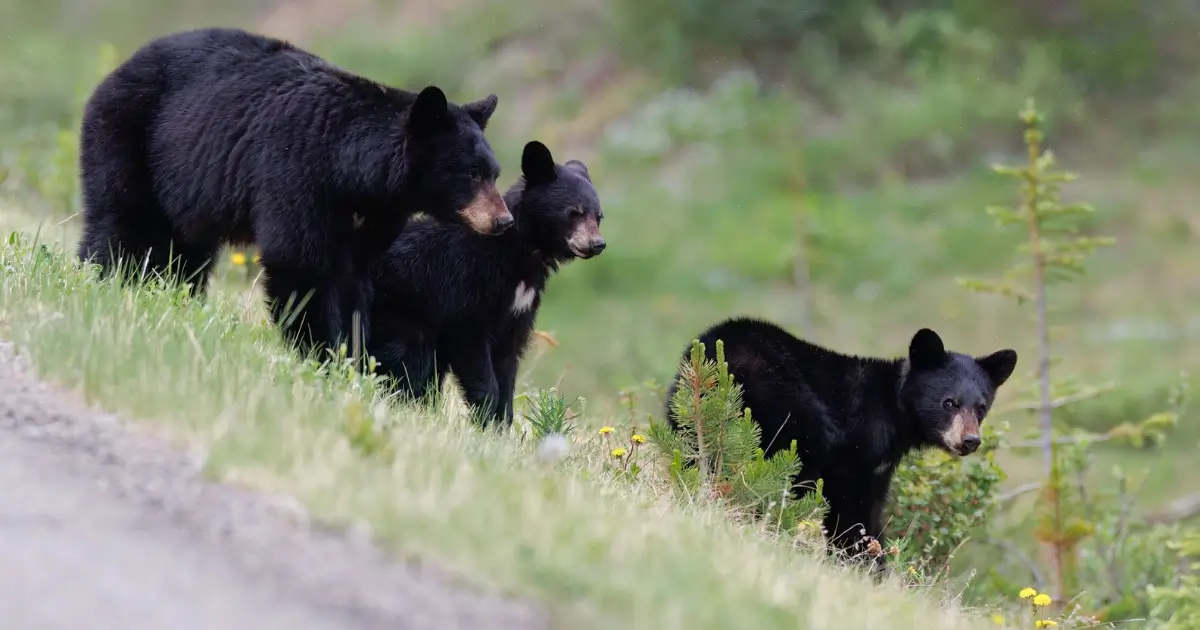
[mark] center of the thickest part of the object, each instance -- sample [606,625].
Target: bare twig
[1039,443]
[1063,401]
[1024,488]
[1003,545]
[1181,509]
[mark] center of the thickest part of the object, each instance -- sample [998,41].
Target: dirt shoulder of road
[108,523]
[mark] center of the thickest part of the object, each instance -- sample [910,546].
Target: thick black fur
[217,135]
[853,418]
[445,297]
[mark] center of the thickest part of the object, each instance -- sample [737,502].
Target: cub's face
[560,206]
[950,393]
[452,163]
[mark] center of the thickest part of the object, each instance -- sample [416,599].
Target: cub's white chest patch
[523,298]
[358,220]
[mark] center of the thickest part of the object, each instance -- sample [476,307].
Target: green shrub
[939,501]
[1176,604]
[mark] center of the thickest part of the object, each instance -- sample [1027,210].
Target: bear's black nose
[598,246]
[971,442]
[499,224]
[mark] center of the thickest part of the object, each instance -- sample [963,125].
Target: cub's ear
[579,168]
[430,110]
[481,111]
[999,365]
[926,350]
[537,165]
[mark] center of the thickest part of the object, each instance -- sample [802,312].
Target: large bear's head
[450,164]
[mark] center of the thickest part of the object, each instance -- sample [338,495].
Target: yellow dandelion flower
[912,570]
[606,430]
[238,259]
[1027,592]
[638,439]
[1045,623]
[1041,599]
[618,452]
[998,619]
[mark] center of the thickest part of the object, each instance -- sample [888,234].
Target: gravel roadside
[103,526]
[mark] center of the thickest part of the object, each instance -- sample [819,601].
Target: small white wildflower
[553,447]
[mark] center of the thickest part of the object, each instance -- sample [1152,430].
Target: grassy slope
[599,552]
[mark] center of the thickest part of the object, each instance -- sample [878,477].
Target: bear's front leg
[359,294]
[470,358]
[309,269]
[307,309]
[505,366]
[403,352]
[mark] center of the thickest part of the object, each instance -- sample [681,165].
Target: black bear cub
[218,135]
[853,418]
[447,300]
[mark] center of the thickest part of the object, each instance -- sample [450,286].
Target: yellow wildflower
[257,258]
[998,619]
[638,439]
[1045,623]
[606,430]
[238,259]
[912,570]
[1041,599]
[1027,592]
[618,452]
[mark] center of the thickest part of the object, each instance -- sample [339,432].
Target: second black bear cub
[217,135]
[449,300]
[853,418]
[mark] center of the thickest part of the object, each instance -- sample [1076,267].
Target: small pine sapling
[1053,252]
[715,453]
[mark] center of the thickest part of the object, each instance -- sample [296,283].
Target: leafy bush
[1176,604]
[939,501]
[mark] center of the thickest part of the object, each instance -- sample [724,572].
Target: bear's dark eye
[949,404]
[982,409]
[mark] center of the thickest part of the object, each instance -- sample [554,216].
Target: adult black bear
[450,300]
[853,418]
[218,135]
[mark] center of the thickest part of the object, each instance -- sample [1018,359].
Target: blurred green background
[824,163]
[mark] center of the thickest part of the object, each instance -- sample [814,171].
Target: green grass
[597,551]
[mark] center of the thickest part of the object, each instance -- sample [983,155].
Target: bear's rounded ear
[428,110]
[481,111]
[537,165]
[926,350]
[578,167]
[999,365]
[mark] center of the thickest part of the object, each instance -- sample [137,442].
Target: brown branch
[1025,488]
[1181,509]
[1039,443]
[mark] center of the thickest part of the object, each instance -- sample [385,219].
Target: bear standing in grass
[449,300]
[853,418]
[217,136]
